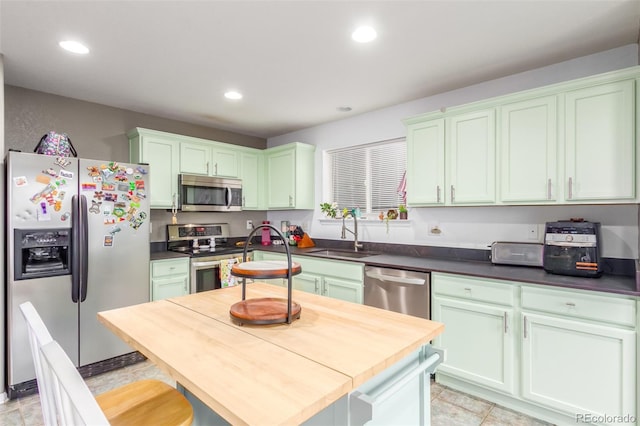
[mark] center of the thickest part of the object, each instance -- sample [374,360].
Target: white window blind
[368,176]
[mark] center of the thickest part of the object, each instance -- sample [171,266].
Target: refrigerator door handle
[75,249]
[84,248]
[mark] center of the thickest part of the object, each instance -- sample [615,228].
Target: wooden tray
[265,269]
[266,310]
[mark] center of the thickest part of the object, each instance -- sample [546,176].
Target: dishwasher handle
[399,280]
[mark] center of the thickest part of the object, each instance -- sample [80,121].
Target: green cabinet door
[471,163]
[169,287]
[600,145]
[290,177]
[528,151]
[479,340]
[281,183]
[195,158]
[251,173]
[162,153]
[578,367]
[169,278]
[425,163]
[224,161]
[307,282]
[337,288]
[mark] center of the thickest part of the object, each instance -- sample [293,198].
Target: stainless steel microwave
[209,194]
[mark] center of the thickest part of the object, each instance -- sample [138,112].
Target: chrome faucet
[356,245]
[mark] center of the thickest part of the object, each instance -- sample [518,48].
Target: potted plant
[402,209]
[330,210]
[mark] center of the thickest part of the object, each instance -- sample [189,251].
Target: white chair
[38,337]
[74,403]
[66,399]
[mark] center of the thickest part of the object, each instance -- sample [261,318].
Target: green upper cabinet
[162,153]
[195,158]
[600,142]
[425,163]
[209,159]
[528,150]
[251,172]
[471,165]
[225,161]
[568,143]
[290,177]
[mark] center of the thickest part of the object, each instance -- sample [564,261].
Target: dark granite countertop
[160,255]
[460,263]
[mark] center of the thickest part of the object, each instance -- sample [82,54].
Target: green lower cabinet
[485,328]
[561,355]
[350,291]
[169,278]
[346,281]
[578,367]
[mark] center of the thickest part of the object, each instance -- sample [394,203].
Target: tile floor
[448,407]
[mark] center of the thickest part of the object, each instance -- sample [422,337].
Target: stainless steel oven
[206,271]
[208,247]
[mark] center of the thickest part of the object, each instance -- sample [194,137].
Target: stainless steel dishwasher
[398,290]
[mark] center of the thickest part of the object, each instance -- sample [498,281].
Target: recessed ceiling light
[364,34]
[232,94]
[344,108]
[74,47]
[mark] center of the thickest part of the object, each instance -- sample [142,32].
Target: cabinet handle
[525,327]
[316,284]
[216,169]
[570,188]
[243,201]
[505,323]
[290,201]
[453,194]
[438,193]
[207,167]
[548,189]
[467,289]
[570,304]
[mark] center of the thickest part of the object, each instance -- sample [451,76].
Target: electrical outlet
[249,224]
[532,232]
[434,230]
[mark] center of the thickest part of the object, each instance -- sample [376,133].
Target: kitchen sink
[342,253]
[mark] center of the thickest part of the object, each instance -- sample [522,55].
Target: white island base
[398,395]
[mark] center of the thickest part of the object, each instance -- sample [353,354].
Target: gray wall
[99,132]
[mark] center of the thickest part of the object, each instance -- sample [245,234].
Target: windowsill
[368,222]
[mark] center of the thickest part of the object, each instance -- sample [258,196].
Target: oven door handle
[205,264]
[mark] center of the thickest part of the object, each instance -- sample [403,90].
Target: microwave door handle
[229,195]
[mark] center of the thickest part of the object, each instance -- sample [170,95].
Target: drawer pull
[467,289]
[438,193]
[570,304]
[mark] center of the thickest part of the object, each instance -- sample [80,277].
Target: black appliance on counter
[572,248]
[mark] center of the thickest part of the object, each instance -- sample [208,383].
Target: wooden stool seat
[146,402]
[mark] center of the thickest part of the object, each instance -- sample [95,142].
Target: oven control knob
[569,238]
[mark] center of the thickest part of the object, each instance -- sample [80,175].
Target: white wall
[471,227]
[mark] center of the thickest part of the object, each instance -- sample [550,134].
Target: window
[368,176]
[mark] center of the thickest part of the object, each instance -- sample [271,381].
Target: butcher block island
[340,363]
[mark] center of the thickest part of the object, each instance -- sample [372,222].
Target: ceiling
[294,61]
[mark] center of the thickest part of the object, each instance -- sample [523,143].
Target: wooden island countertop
[274,374]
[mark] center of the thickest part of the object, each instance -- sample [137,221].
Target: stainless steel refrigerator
[77,243]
